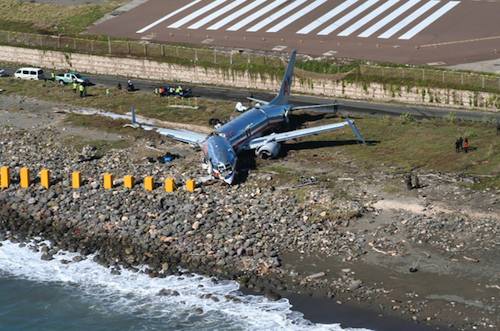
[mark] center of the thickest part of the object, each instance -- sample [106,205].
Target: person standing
[457,145]
[466,145]
[81,88]
[461,143]
[74,86]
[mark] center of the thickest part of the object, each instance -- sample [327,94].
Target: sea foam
[201,303]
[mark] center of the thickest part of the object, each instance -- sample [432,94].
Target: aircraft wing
[185,136]
[280,137]
[314,106]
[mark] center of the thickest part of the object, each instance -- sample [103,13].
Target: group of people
[80,88]
[462,144]
[169,90]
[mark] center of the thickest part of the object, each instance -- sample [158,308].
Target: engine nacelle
[270,150]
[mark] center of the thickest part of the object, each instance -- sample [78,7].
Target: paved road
[346,107]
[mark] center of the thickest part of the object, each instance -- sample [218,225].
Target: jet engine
[268,151]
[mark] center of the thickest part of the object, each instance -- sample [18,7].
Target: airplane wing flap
[280,137]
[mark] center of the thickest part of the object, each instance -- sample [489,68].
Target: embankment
[143,68]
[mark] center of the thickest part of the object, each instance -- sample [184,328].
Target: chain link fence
[150,50]
[433,77]
[240,59]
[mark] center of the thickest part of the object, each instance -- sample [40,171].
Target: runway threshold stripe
[429,20]
[235,15]
[410,18]
[379,10]
[326,17]
[276,15]
[256,15]
[346,18]
[166,17]
[304,11]
[197,13]
[216,14]
[388,19]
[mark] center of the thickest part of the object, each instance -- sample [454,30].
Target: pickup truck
[69,77]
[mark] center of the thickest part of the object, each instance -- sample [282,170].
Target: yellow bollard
[4,177]
[190,185]
[76,180]
[128,182]
[169,185]
[108,181]
[149,183]
[45,178]
[24,175]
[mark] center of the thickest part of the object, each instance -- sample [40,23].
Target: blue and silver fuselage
[222,146]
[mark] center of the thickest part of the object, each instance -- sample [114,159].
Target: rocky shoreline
[344,249]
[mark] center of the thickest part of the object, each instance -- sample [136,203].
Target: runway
[442,32]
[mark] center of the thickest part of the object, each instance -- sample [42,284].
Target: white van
[29,73]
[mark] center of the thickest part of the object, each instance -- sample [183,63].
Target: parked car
[3,73]
[29,73]
[70,77]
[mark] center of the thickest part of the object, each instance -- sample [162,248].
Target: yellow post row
[149,183]
[24,176]
[108,181]
[128,182]
[76,180]
[169,185]
[190,185]
[4,177]
[45,178]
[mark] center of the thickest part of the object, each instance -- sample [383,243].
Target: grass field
[396,144]
[25,16]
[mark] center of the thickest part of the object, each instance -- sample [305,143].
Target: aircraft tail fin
[282,97]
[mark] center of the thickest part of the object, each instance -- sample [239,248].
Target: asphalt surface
[445,32]
[346,107]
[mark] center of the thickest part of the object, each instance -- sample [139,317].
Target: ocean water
[48,295]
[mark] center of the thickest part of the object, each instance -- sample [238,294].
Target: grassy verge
[198,111]
[25,16]
[397,144]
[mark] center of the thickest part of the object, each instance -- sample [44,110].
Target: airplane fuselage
[252,124]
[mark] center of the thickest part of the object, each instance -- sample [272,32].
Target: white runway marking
[325,18]
[276,15]
[236,14]
[368,18]
[304,11]
[346,18]
[429,20]
[216,14]
[388,19]
[410,18]
[256,15]
[166,17]
[197,13]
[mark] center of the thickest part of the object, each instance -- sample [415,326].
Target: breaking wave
[197,303]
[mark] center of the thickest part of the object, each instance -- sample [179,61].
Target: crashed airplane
[253,130]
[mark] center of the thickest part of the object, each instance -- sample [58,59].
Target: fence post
[162,50]
[128,47]
[8,37]
[58,41]
[92,46]
[462,78]
[215,56]
[482,81]
[195,55]
[443,77]
[109,45]
[145,50]
[231,58]
[423,74]
[40,41]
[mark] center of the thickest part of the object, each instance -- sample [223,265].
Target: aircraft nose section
[222,159]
